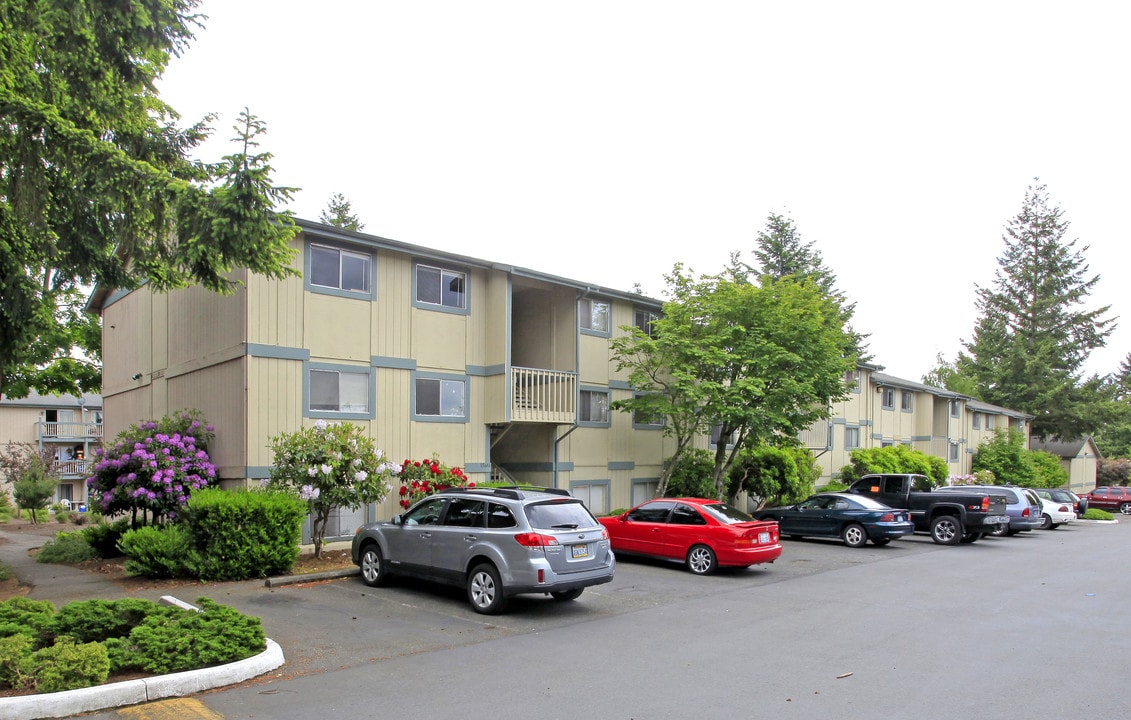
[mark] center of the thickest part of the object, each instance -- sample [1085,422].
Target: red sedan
[703,534]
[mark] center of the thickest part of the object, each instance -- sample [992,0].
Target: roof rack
[513,492]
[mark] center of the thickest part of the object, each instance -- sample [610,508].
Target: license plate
[580,551]
[763,538]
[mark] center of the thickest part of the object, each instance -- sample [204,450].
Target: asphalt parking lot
[909,630]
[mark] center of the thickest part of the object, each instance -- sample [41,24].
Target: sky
[607,141]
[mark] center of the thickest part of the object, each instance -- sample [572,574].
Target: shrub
[67,665]
[14,650]
[245,534]
[692,475]
[421,478]
[66,547]
[894,459]
[157,551]
[1097,514]
[91,620]
[33,618]
[104,536]
[777,476]
[187,640]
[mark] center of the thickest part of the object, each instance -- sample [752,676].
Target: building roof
[1066,448]
[34,399]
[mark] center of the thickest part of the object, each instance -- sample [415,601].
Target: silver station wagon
[495,542]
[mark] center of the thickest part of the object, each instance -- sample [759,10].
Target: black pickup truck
[950,517]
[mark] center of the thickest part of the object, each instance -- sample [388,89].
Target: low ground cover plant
[84,643]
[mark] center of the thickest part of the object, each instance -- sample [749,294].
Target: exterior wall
[70,429]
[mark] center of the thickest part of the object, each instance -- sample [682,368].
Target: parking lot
[911,629]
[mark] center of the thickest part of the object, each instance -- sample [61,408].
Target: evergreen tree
[1033,336]
[97,185]
[339,214]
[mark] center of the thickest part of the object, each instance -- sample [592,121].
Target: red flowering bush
[420,478]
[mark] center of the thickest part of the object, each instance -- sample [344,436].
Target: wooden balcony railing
[71,468]
[70,429]
[543,395]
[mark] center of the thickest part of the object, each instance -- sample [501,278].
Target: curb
[310,577]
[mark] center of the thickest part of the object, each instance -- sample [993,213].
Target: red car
[703,534]
[1110,497]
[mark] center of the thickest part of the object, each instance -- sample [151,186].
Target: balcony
[543,396]
[70,430]
[69,469]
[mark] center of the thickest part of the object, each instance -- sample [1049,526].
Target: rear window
[559,515]
[726,514]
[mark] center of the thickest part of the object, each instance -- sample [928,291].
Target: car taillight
[1025,512]
[536,540]
[1062,508]
[887,517]
[986,504]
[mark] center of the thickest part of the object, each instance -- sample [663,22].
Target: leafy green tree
[1113,432]
[1033,336]
[32,491]
[339,214]
[1114,471]
[690,475]
[947,375]
[1006,457]
[1047,470]
[97,186]
[894,459]
[329,467]
[757,362]
[776,476]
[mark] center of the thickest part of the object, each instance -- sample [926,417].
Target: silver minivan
[495,542]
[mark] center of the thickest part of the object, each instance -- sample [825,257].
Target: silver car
[495,542]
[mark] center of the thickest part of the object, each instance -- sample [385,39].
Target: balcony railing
[543,395]
[70,429]
[71,468]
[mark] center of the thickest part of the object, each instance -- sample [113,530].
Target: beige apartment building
[67,427]
[503,371]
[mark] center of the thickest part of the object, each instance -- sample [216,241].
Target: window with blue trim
[594,315]
[339,391]
[332,267]
[594,407]
[438,286]
[436,397]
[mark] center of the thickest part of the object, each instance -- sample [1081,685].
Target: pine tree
[339,214]
[1033,336]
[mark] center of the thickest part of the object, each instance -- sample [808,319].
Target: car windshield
[559,515]
[726,514]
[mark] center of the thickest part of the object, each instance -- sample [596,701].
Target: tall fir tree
[339,213]
[1033,336]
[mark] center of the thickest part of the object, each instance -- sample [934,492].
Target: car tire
[1000,531]
[972,537]
[1046,522]
[1054,526]
[566,595]
[485,590]
[854,535]
[373,572]
[701,560]
[946,530]
[881,541]
[1125,508]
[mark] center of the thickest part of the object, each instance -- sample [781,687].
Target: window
[436,397]
[465,512]
[594,407]
[851,381]
[888,399]
[643,418]
[445,288]
[594,315]
[954,408]
[907,401]
[340,269]
[953,452]
[643,490]
[976,420]
[851,437]
[339,391]
[499,516]
[686,515]
[989,422]
[593,495]
[652,512]
[643,320]
[717,434]
[426,513]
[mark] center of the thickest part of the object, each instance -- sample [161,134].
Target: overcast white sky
[605,141]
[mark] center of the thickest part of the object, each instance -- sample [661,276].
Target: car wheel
[854,536]
[1046,522]
[1125,508]
[701,560]
[1054,526]
[373,571]
[972,537]
[946,530]
[1000,530]
[484,590]
[565,595]
[881,541]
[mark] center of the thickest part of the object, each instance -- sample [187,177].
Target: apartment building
[882,410]
[68,427]
[501,370]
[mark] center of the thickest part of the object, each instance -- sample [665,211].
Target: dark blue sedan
[855,519]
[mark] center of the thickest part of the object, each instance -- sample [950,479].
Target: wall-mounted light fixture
[135,376]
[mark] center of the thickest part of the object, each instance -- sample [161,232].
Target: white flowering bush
[330,466]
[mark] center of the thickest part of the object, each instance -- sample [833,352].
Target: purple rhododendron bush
[152,467]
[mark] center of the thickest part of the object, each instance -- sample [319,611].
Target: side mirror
[398,519]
